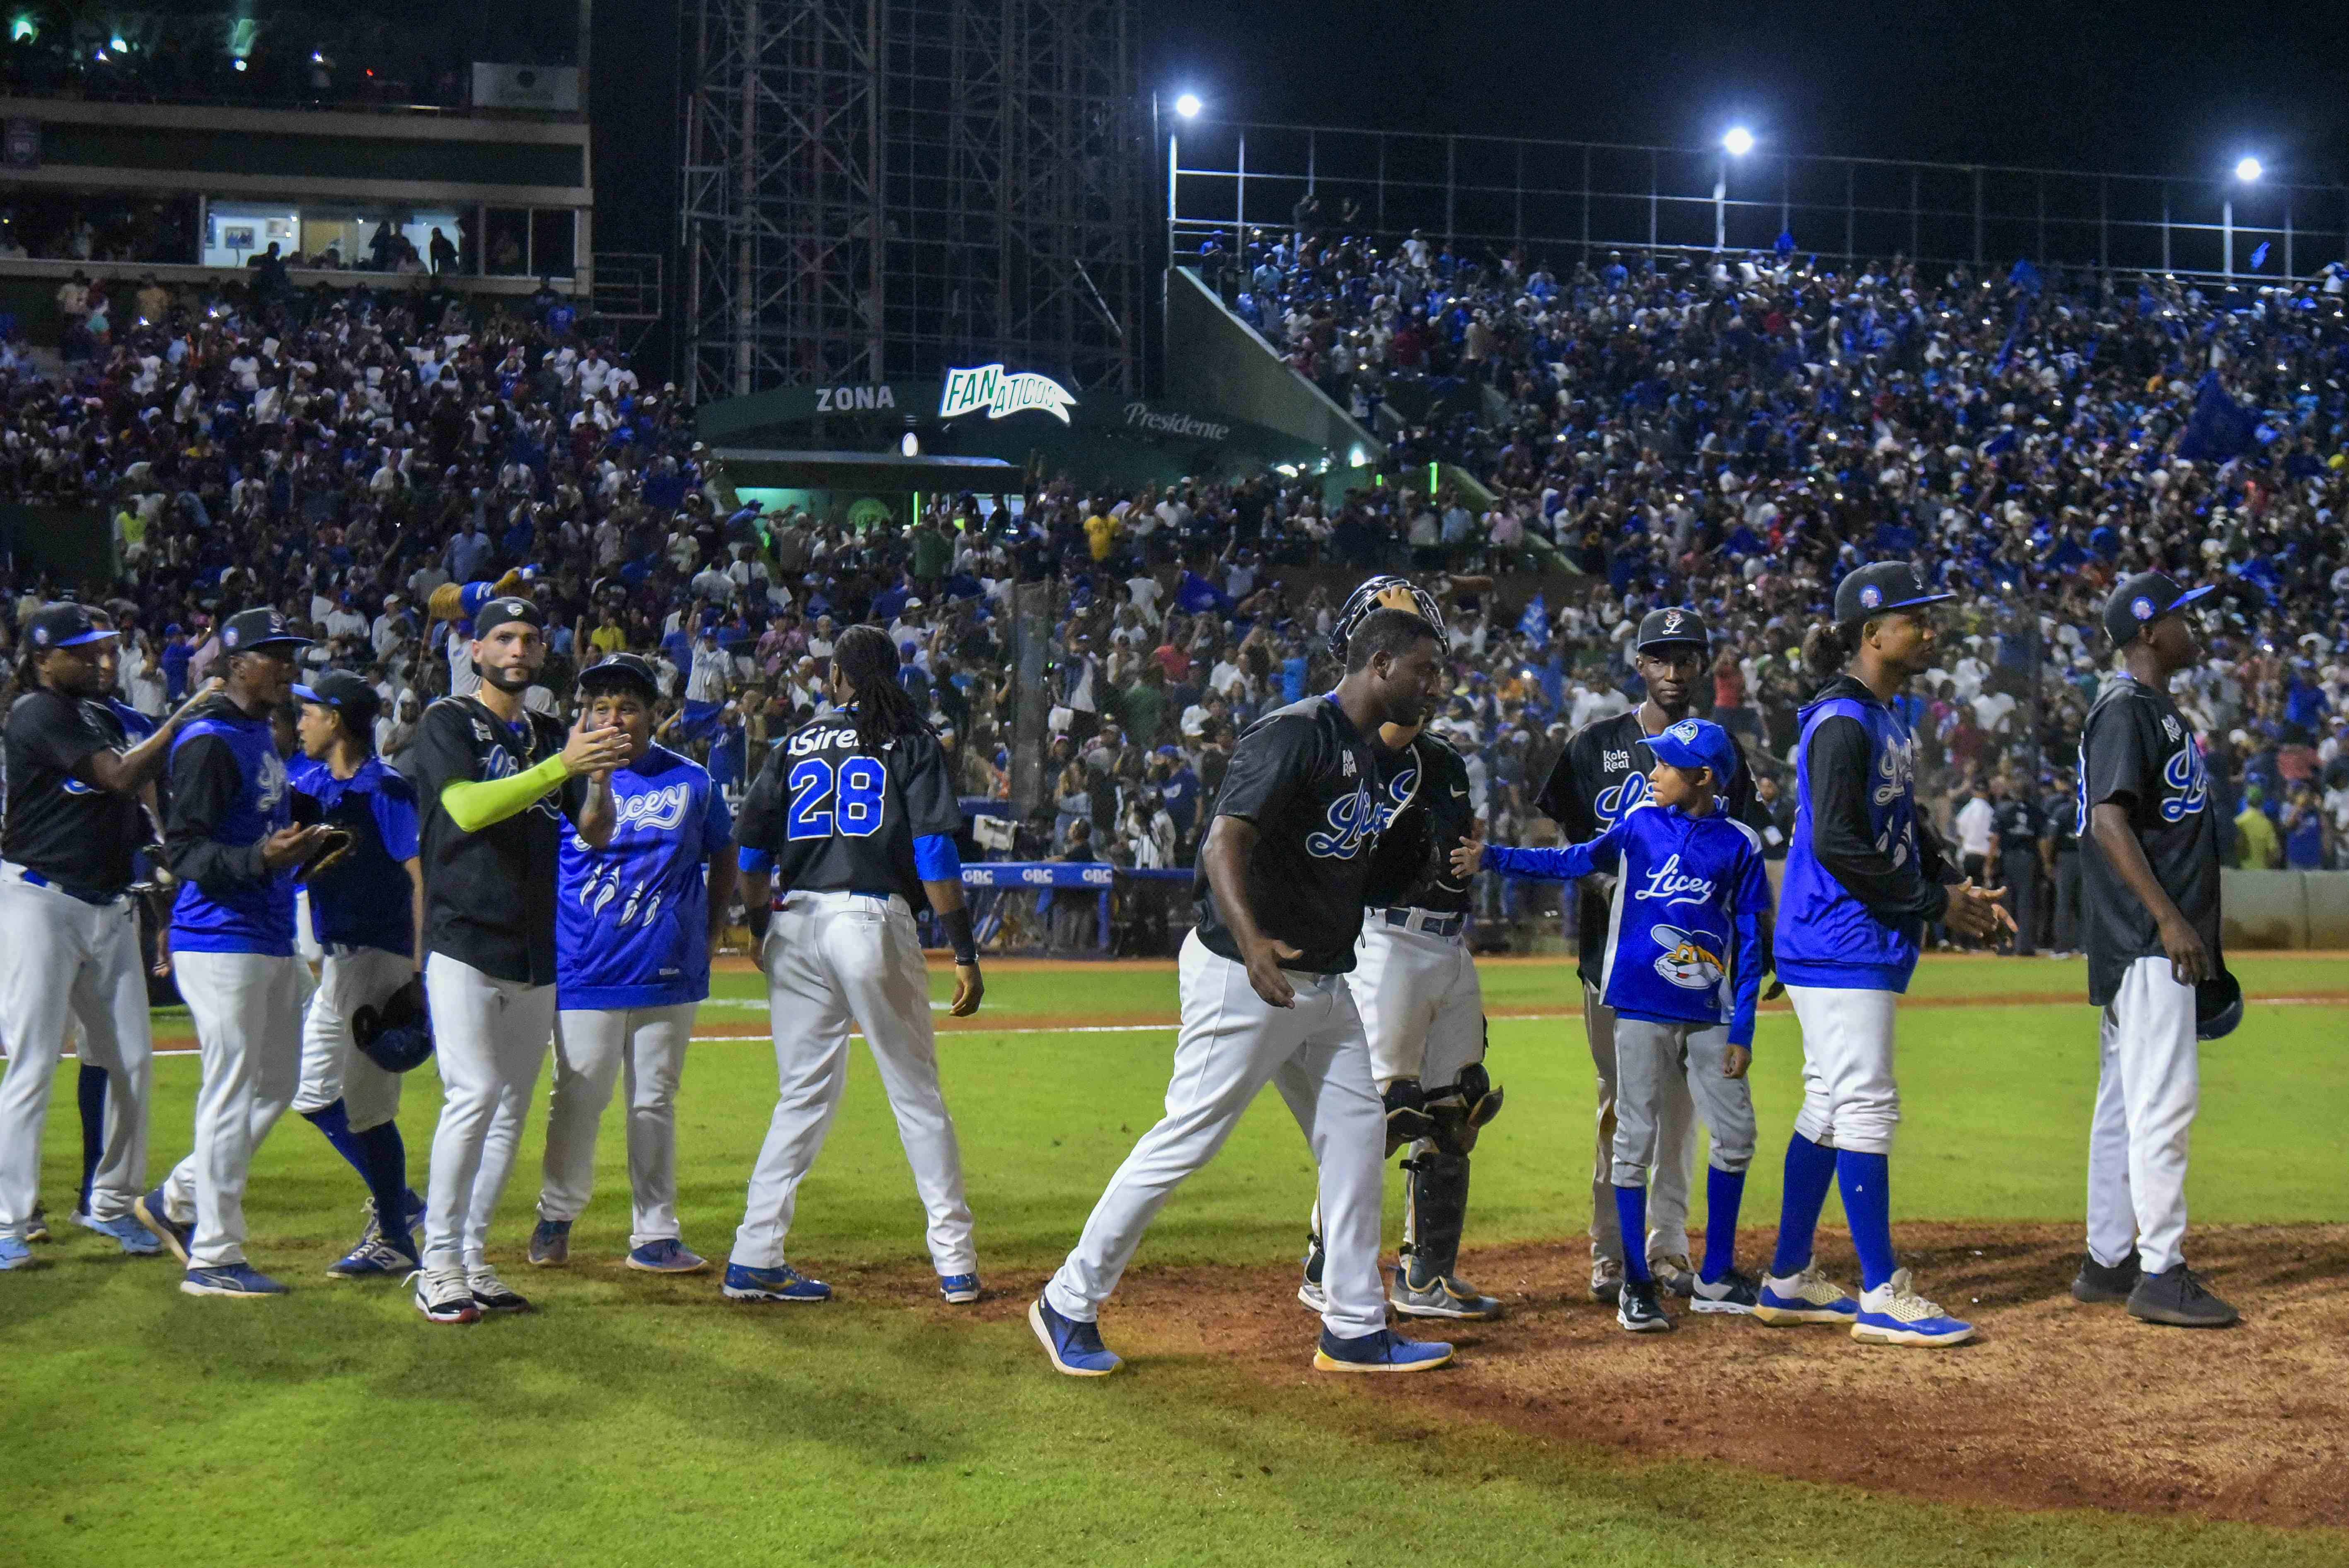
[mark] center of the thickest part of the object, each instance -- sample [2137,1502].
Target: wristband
[959,937]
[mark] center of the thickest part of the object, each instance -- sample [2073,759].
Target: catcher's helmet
[2218,1006]
[1378,594]
[397,1037]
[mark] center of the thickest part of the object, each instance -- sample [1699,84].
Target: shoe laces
[1813,1286]
[1906,1304]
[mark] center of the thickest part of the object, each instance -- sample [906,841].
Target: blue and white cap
[1694,743]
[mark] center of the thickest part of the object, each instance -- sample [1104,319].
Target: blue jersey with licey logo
[1684,925]
[632,920]
[228,912]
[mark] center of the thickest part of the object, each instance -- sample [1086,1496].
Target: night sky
[2152,89]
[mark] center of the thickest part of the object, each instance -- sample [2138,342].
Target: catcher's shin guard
[1408,1115]
[1435,1212]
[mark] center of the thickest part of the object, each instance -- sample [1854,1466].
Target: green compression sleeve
[473,806]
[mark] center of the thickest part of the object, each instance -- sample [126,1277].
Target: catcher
[1415,987]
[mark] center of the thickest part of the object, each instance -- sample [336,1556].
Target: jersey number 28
[816,812]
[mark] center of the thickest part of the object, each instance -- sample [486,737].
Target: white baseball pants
[592,1050]
[491,1037]
[1650,1061]
[1849,1098]
[831,958]
[2148,1086]
[248,1018]
[1232,1043]
[1675,1123]
[333,1066]
[66,957]
[1423,1011]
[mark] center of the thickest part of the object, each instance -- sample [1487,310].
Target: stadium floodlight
[1738,143]
[1188,105]
[2248,170]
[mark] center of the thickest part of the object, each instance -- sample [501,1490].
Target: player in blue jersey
[1687,938]
[233,845]
[634,925]
[366,912]
[853,818]
[1865,877]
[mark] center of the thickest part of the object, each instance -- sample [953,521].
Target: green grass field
[637,1418]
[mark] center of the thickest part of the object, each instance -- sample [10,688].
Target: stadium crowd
[1732,437]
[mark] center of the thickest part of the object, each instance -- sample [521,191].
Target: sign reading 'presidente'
[991,388]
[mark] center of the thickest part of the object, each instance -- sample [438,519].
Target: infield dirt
[2057,1405]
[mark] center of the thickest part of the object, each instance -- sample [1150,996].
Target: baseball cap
[1662,628]
[63,625]
[1885,586]
[496,612]
[248,631]
[2140,600]
[1697,743]
[629,669]
[346,694]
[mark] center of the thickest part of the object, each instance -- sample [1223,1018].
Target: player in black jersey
[1601,775]
[70,935]
[495,782]
[854,819]
[2149,874]
[1415,986]
[1279,893]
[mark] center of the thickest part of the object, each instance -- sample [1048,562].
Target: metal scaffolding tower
[878,190]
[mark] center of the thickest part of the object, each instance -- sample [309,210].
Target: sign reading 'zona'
[991,388]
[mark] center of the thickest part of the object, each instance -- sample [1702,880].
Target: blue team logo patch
[2141,607]
[1870,597]
[41,636]
[1686,961]
[228,637]
[1684,732]
[1353,819]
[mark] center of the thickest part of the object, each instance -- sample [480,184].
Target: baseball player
[2149,868]
[1279,892]
[73,827]
[852,819]
[92,1082]
[1864,877]
[235,847]
[495,782]
[1688,927]
[366,913]
[1415,987]
[635,926]
[1602,774]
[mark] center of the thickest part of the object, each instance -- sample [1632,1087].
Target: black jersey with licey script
[2138,752]
[1306,776]
[1601,775]
[59,825]
[1411,868]
[488,897]
[836,818]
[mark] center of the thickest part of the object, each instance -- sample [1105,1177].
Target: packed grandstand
[1730,434]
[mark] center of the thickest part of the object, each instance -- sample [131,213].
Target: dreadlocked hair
[1827,648]
[885,709]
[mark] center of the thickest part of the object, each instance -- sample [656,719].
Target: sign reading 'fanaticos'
[988,386]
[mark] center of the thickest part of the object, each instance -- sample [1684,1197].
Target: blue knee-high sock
[1866,1181]
[1810,1169]
[90,1089]
[1724,1190]
[1631,1212]
[387,1174]
[335,1123]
